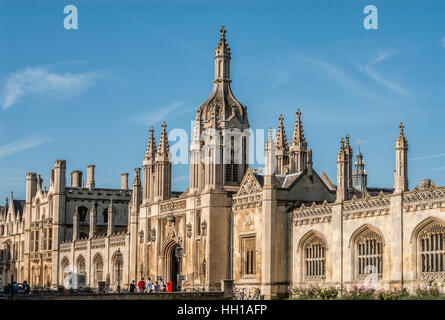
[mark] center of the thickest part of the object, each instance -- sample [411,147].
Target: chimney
[124,181]
[76,178]
[90,177]
[309,162]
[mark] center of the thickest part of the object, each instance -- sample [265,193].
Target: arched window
[369,254]
[66,273]
[105,215]
[432,249]
[314,250]
[83,211]
[98,269]
[118,264]
[81,274]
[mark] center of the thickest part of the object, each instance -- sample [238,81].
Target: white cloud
[21,145]
[443,41]
[379,78]
[431,156]
[41,81]
[152,117]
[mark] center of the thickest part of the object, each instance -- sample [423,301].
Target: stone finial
[223,46]
[163,148]
[151,145]
[298,138]
[281,139]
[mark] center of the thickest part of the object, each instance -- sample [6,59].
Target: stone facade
[272,228]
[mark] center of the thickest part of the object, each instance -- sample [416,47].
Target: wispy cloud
[21,145]
[431,156]
[443,41]
[438,169]
[151,117]
[369,71]
[41,81]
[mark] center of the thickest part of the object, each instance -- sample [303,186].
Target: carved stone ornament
[189,229]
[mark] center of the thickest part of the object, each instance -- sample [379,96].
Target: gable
[249,184]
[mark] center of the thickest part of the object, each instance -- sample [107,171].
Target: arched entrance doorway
[172,264]
[174,268]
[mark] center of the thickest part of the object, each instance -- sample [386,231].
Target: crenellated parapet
[367,207]
[424,198]
[313,214]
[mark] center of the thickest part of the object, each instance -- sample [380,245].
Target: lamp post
[178,254]
[118,257]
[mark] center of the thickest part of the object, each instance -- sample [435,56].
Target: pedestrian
[141,285]
[132,286]
[157,287]
[163,286]
[26,288]
[149,285]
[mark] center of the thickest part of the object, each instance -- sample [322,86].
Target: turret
[136,196]
[348,150]
[401,172]
[298,147]
[149,168]
[359,176]
[342,168]
[282,149]
[31,186]
[163,167]
[270,161]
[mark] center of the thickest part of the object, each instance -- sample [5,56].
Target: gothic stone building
[272,228]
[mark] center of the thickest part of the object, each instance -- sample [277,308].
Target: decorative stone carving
[189,230]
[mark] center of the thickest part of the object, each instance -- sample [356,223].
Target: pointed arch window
[432,249]
[314,250]
[369,254]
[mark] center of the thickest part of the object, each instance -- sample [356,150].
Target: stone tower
[219,147]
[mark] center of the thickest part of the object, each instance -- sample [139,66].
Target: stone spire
[162,189]
[282,148]
[150,152]
[298,147]
[163,147]
[93,220]
[342,165]
[270,160]
[359,175]
[223,47]
[222,106]
[348,150]
[401,172]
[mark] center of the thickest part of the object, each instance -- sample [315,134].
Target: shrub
[430,288]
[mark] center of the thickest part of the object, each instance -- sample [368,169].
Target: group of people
[149,286]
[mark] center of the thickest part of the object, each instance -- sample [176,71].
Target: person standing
[157,287]
[132,286]
[141,285]
[149,285]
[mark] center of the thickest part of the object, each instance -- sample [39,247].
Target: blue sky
[90,95]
